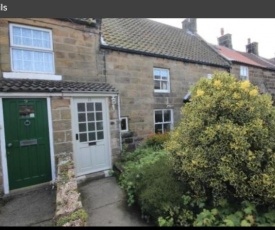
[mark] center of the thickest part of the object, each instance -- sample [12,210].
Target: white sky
[261,30]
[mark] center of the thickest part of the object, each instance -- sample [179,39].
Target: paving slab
[106,205]
[30,208]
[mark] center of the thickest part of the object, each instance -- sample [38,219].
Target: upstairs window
[161,80]
[163,120]
[244,73]
[31,49]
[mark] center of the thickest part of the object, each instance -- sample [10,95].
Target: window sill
[33,76]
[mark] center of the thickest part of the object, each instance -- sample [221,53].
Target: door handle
[9,144]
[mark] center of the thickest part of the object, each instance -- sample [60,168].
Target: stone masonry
[132,75]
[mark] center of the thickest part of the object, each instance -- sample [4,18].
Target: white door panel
[92,143]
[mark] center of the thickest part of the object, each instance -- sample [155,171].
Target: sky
[261,30]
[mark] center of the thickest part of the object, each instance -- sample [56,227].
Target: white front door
[92,152]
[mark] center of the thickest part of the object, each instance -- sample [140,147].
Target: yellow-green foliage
[80,214]
[224,145]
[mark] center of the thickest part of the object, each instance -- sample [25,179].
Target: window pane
[91,116]
[98,107]
[82,127]
[164,85]
[158,128]
[166,127]
[156,72]
[156,84]
[99,125]
[99,116]
[83,137]
[92,136]
[158,116]
[80,107]
[164,74]
[167,115]
[81,117]
[91,126]
[16,31]
[100,135]
[90,106]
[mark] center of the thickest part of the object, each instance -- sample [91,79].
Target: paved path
[31,208]
[105,203]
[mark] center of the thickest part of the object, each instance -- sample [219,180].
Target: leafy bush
[224,146]
[149,181]
[230,214]
[133,164]
[157,140]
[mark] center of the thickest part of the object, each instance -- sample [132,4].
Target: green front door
[27,142]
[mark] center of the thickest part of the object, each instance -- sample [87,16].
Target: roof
[46,86]
[260,60]
[245,58]
[147,37]
[233,55]
[83,21]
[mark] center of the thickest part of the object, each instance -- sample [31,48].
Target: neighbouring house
[53,100]
[153,66]
[247,65]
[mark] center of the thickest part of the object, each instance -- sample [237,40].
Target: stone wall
[75,47]
[132,75]
[62,125]
[257,76]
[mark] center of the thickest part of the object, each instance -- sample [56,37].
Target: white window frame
[244,73]
[168,81]
[171,122]
[31,48]
[126,122]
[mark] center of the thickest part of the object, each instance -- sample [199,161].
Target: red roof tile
[233,55]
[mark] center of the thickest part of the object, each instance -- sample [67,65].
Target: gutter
[160,56]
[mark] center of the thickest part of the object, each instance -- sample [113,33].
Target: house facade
[86,87]
[153,66]
[247,65]
[53,100]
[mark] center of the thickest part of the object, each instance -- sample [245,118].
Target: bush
[224,146]
[149,181]
[157,140]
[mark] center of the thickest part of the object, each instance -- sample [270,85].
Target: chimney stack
[190,24]
[225,39]
[252,47]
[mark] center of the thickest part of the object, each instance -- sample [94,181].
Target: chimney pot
[222,32]
[248,40]
[190,24]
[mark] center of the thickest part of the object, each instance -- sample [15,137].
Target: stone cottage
[153,66]
[53,100]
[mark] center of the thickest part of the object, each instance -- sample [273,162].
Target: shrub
[133,164]
[158,188]
[157,140]
[149,181]
[224,146]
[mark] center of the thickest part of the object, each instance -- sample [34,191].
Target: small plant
[80,214]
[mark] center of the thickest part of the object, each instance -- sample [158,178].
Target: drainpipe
[120,138]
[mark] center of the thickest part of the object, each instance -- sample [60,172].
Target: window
[163,120]
[31,49]
[243,73]
[161,80]
[124,124]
